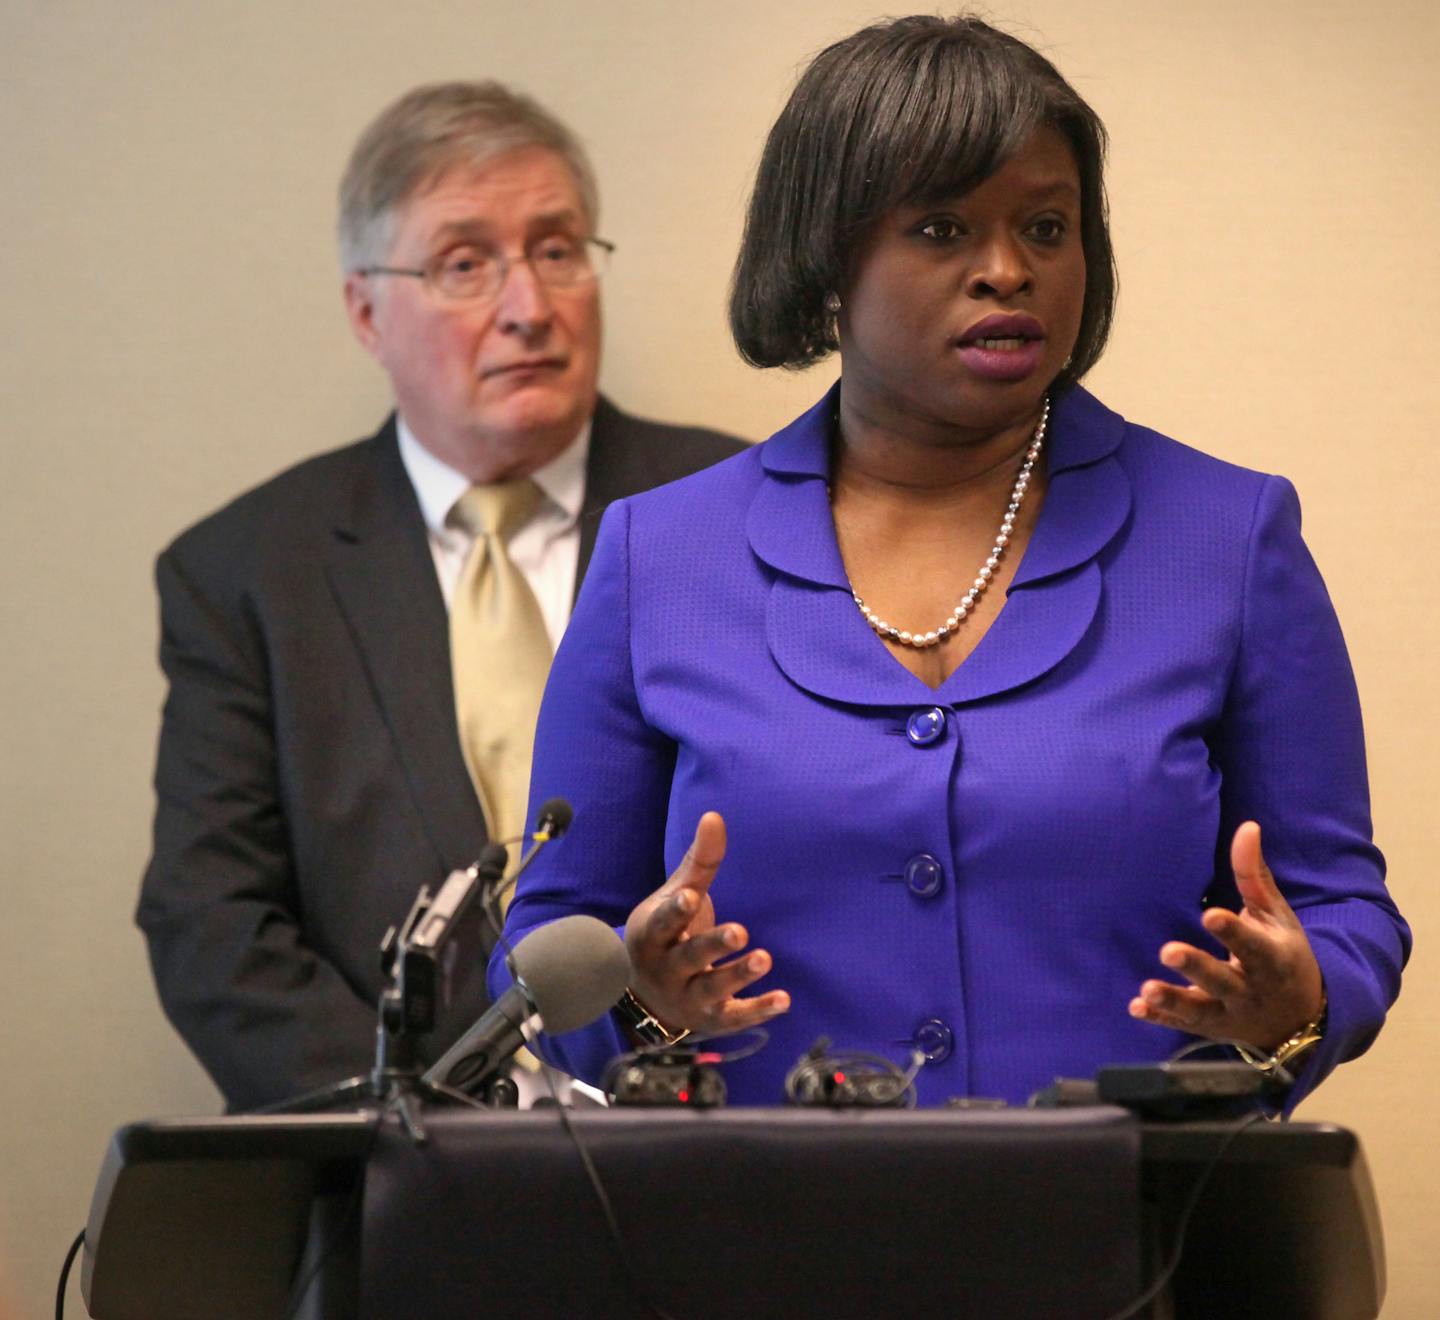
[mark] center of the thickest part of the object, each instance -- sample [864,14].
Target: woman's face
[960,314]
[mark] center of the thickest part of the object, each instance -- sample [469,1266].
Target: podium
[765,1212]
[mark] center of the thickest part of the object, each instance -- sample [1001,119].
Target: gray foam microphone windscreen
[575,969]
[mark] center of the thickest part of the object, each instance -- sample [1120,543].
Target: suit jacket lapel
[383,575]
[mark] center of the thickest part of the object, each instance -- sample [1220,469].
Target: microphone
[567,973]
[552,820]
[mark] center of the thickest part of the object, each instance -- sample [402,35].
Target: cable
[846,1078]
[1279,1078]
[65,1274]
[489,905]
[754,1038]
[626,1265]
[1182,1223]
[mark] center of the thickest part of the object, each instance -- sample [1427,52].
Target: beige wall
[173,333]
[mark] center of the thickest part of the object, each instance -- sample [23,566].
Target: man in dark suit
[311,772]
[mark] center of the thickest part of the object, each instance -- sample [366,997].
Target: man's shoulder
[297,502]
[656,452]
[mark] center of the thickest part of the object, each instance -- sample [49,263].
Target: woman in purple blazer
[964,696]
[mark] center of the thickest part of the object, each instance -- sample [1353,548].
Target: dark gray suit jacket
[309,776]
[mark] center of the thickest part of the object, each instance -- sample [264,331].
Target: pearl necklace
[971,598]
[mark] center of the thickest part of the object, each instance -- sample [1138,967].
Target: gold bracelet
[1301,1043]
[643,1024]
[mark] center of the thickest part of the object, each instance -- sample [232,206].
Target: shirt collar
[438,485]
[791,528]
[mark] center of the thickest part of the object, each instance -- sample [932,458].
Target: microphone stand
[410,958]
[554,818]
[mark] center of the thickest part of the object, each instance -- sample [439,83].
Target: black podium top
[758,1212]
[744,1211]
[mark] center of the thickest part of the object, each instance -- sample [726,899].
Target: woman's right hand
[676,949]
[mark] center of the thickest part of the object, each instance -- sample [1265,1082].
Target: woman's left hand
[1269,988]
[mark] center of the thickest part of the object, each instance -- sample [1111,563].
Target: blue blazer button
[924,875]
[935,1040]
[925,726]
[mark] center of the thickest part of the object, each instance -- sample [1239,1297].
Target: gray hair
[430,131]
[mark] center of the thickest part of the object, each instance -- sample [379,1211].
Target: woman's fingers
[688,970]
[1182,1007]
[1271,984]
[705,996]
[702,858]
[703,950]
[714,993]
[716,984]
[1257,948]
[1221,980]
[736,1014]
[1253,877]
[669,915]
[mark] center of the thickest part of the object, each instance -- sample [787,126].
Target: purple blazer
[990,868]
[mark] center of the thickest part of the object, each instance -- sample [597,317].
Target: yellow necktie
[500,653]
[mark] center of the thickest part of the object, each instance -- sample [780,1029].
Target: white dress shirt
[546,549]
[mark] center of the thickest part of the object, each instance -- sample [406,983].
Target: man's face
[494,388]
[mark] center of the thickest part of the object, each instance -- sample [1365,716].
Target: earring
[832,303]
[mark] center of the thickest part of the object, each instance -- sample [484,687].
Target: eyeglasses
[475,274]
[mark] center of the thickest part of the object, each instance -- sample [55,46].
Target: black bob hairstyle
[908,111]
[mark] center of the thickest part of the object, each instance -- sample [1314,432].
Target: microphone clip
[850,1080]
[671,1076]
